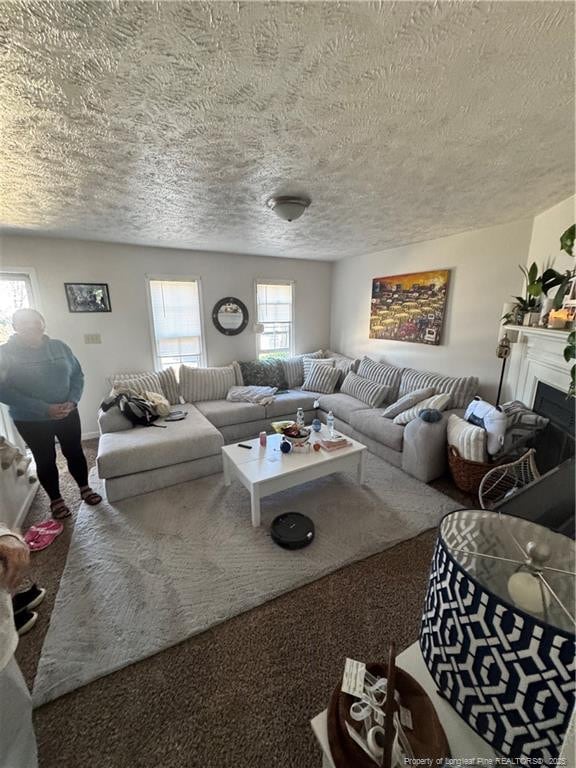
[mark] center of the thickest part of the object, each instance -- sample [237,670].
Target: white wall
[483,274]
[126,343]
[546,231]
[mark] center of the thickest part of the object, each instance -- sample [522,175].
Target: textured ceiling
[171,123]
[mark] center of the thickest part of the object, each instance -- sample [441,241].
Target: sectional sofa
[135,460]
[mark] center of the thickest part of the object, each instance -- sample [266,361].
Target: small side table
[463,741]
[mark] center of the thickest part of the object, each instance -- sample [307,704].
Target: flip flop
[40,536]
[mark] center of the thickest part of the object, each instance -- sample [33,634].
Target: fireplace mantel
[537,355]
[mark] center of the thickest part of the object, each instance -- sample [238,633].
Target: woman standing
[41,381]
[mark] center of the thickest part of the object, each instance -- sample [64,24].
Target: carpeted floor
[242,693]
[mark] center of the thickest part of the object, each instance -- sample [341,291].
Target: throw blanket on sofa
[252,394]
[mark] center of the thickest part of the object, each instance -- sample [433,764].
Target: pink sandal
[43,534]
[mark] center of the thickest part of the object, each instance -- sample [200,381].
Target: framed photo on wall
[88,297]
[409,307]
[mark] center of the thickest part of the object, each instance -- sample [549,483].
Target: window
[176,320]
[274,301]
[15,293]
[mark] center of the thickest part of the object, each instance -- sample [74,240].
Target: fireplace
[554,444]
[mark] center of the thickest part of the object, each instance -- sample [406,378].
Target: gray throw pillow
[408,401]
[369,392]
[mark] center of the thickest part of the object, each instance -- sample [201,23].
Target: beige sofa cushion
[223,413]
[144,448]
[341,405]
[370,423]
[288,403]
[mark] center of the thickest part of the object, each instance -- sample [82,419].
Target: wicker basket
[467,474]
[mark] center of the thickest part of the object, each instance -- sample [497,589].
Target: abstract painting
[409,307]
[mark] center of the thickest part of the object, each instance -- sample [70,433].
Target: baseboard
[90,435]
[26,504]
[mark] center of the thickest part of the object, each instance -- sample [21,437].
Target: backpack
[138,411]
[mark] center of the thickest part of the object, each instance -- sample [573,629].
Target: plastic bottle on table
[300,418]
[330,424]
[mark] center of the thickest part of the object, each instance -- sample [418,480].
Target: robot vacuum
[292,530]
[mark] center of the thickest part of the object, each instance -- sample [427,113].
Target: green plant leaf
[569,353]
[567,240]
[533,272]
[550,279]
[561,292]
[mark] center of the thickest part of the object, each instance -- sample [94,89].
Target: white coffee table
[264,471]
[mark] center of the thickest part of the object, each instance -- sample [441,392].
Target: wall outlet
[92,338]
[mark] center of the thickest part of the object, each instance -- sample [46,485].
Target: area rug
[150,571]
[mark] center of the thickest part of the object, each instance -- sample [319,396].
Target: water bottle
[330,424]
[300,418]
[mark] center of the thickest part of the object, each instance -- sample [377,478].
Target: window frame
[30,273]
[275,281]
[175,279]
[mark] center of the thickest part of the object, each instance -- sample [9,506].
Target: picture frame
[409,307]
[88,297]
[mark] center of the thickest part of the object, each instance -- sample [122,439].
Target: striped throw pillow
[469,440]
[439,402]
[197,384]
[403,403]
[369,392]
[139,383]
[381,373]
[321,378]
[308,362]
[169,384]
[293,371]
[462,390]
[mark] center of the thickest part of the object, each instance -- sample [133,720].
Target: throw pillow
[369,392]
[169,384]
[440,402]
[162,382]
[381,373]
[197,384]
[469,440]
[293,371]
[521,424]
[462,390]
[308,362]
[138,383]
[321,378]
[267,372]
[412,398]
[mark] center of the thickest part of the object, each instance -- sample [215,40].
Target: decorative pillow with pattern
[468,439]
[343,363]
[308,362]
[381,373]
[138,383]
[197,384]
[267,372]
[321,378]
[439,402]
[293,371]
[163,382]
[369,392]
[408,401]
[522,424]
[462,389]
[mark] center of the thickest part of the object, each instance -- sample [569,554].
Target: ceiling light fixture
[288,208]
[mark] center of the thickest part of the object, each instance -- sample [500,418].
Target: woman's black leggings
[40,437]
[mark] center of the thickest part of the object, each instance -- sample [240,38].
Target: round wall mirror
[230,316]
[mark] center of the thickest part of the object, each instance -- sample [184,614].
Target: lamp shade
[497,632]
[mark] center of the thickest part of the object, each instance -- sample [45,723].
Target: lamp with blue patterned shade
[497,632]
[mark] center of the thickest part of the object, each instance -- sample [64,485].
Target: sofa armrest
[112,421]
[424,451]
